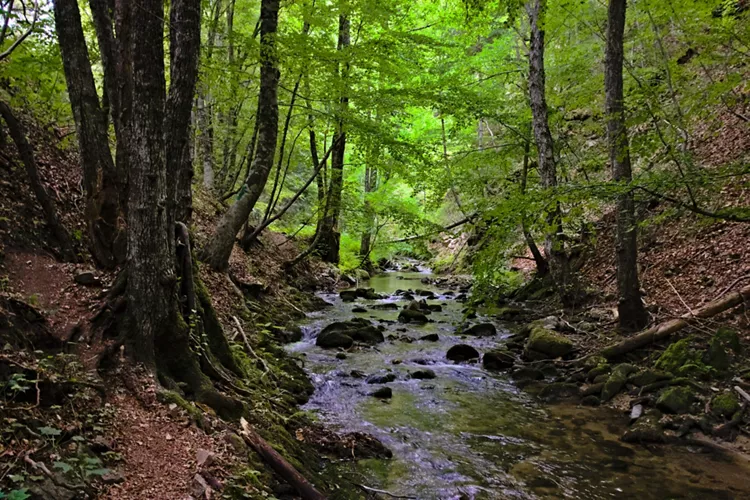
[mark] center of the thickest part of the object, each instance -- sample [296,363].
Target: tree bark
[632,313]
[554,246]
[219,249]
[151,292]
[542,267]
[184,46]
[100,178]
[205,134]
[370,185]
[330,235]
[45,200]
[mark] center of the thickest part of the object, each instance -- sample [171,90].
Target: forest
[364,249]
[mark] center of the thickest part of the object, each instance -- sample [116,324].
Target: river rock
[646,429]
[527,373]
[368,293]
[382,393]
[340,355]
[508,313]
[348,295]
[387,306]
[648,376]
[423,374]
[546,343]
[381,379]
[617,380]
[333,339]
[359,309]
[411,316]
[461,297]
[435,307]
[675,400]
[425,293]
[480,330]
[462,352]
[367,335]
[499,359]
[558,390]
[432,337]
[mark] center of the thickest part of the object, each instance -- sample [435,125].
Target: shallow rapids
[472,434]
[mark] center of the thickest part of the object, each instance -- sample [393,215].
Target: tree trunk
[45,200]
[370,185]
[205,134]
[632,313]
[151,291]
[330,235]
[219,249]
[542,268]
[100,178]
[184,45]
[554,245]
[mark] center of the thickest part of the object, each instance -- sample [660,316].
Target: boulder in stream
[423,374]
[462,352]
[359,309]
[432,337]
[332,339]
[348,295]
[499,359]
[411,316]
[381,379]
[387,306]
[480,330]
[544,344]
[382,393]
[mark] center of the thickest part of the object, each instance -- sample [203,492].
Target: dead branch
[278,463]
[266,370]
[382,492]
[664,330]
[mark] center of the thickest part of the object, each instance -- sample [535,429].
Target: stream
[473,434]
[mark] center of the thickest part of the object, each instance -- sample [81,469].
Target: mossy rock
[508,313]
[648,376]
[721,349]
[348,295]
[367,335]
[724,405]
[548,343]
[646,429]
[676,400]
[480,330]
[498,359]
[527,373]
[617,380]
[681,359]
[603,369]
[171,397]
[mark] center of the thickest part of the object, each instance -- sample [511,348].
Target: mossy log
[664,330]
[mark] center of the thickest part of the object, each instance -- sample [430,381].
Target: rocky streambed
[397,359]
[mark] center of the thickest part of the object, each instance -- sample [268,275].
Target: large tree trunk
[220,247]
[554,245]
[184,44]
[100,178]
[45,200]
[205,135]
[151,292]
[632,313]
[330,235]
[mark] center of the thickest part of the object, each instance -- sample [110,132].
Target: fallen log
[279,464]
[664,330]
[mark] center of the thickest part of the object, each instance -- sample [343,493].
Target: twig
[679,297]
[732,285]
[250,349]
[383,492]
[742,393]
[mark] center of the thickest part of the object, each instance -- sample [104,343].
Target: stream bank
[458,430]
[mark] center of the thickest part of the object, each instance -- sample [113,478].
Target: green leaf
[97,472]
[50,431]
[63,466]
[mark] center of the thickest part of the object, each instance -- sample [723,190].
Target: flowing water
[472,434]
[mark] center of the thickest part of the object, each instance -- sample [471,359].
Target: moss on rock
[676,400]
[617,380]
[548,343]
[724,405]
